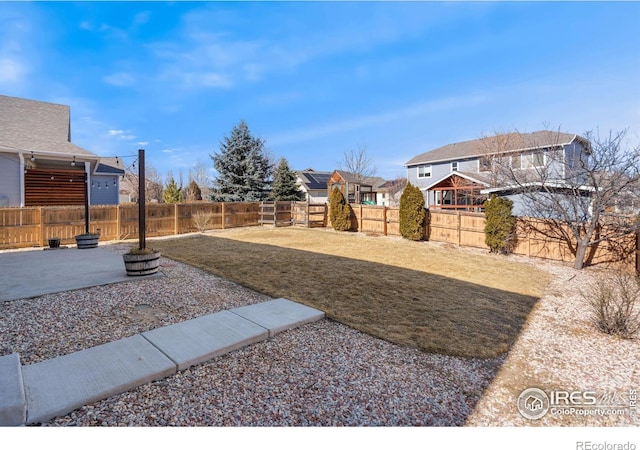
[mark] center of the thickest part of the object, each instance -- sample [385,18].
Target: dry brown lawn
[434,297]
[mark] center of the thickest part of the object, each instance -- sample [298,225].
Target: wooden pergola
[458,193]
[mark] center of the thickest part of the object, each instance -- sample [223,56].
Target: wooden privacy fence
[466,229]
[33,226]
[287,213]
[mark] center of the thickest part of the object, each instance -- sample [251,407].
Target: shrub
[201,220]
[615,305]
[339,211]
[412,213]
[500,227]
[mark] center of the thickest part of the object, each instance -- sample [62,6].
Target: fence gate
[308,215]
[275,213]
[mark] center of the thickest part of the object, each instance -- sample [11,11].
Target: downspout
[22,178]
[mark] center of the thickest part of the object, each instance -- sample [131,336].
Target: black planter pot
[54,243]
[87,240]
[141,264]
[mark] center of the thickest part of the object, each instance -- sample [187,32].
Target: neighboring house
[389,192]
[129,187]
[354,189]
[314,185]
[462,175]
[40,166]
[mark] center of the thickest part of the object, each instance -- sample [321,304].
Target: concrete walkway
[39,392]
[31,273]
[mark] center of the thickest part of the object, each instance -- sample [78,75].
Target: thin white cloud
[121,134]
[141,18]
[113,32]
[12,70]
[340,126]
[120,79]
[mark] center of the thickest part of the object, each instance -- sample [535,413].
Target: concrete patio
[31,273]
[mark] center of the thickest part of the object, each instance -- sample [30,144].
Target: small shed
[354,188]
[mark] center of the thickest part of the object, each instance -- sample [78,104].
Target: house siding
[103,191]
[9,179]
[438,171]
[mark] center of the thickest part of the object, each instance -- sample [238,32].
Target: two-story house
[461,176]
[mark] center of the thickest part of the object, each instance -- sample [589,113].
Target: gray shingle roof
[110,166]
[37,126]
[507,142]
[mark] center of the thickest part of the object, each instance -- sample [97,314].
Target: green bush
[412,213]
[500,227]
[339,211]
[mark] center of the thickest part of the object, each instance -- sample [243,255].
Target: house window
[454,166]
[533,159]
[484,164]
[516,161]
[424,171]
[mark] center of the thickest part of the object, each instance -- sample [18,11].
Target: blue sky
[315,79]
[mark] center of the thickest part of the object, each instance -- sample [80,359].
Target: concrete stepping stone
[279,315]
[201,339]
[60,385]
[13,405]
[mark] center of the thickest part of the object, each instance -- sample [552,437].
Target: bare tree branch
[578,188]
[358,162]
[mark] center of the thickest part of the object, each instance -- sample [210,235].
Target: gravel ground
[560,350]
[322,374]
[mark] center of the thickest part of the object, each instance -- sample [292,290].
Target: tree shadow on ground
[407,307]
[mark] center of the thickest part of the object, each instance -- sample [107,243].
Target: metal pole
[141,201]
[86,203]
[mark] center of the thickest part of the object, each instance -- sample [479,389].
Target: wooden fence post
[223,215]
[459,227]
[118,231]
[175,219]
[384,219]
[42,229]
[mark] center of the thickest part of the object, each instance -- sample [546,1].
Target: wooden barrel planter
[87,240]
[141,264]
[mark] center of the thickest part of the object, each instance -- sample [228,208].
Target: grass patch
[442,300]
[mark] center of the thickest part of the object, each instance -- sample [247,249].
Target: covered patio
[457,191]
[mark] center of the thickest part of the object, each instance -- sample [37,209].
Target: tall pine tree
[244,170]
[285,185]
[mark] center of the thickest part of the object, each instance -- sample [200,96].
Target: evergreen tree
[412,213]
[285,186]
[172,193]
[193,193]
[339,211]
[500,224]
[244,171]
